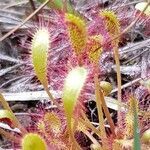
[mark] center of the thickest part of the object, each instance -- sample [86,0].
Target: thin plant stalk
[136,19]
[107,114]
[51,97]
[71,129]
[86,132]
[117,61]
[99,108]
[16,121]
[88,124]
[65,5]
[27,19]
[71,135]
[89,135]
[33,8]
[116,54]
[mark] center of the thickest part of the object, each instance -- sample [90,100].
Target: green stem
[88,124]
[71,134]
[137,145]
[116,55]
[51,97]
[16,121]
[87,133]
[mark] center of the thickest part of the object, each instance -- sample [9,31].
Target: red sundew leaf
[6,117]
[7,121]
[98,27]
[94,49]
[77,31]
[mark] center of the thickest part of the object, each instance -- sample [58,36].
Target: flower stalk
[99,108]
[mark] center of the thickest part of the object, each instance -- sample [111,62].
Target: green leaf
[7,116]
[72,88]
[137,145]
[39,48]
[32,141]
[146,137]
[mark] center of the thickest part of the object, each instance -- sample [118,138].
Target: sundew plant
[67,49]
